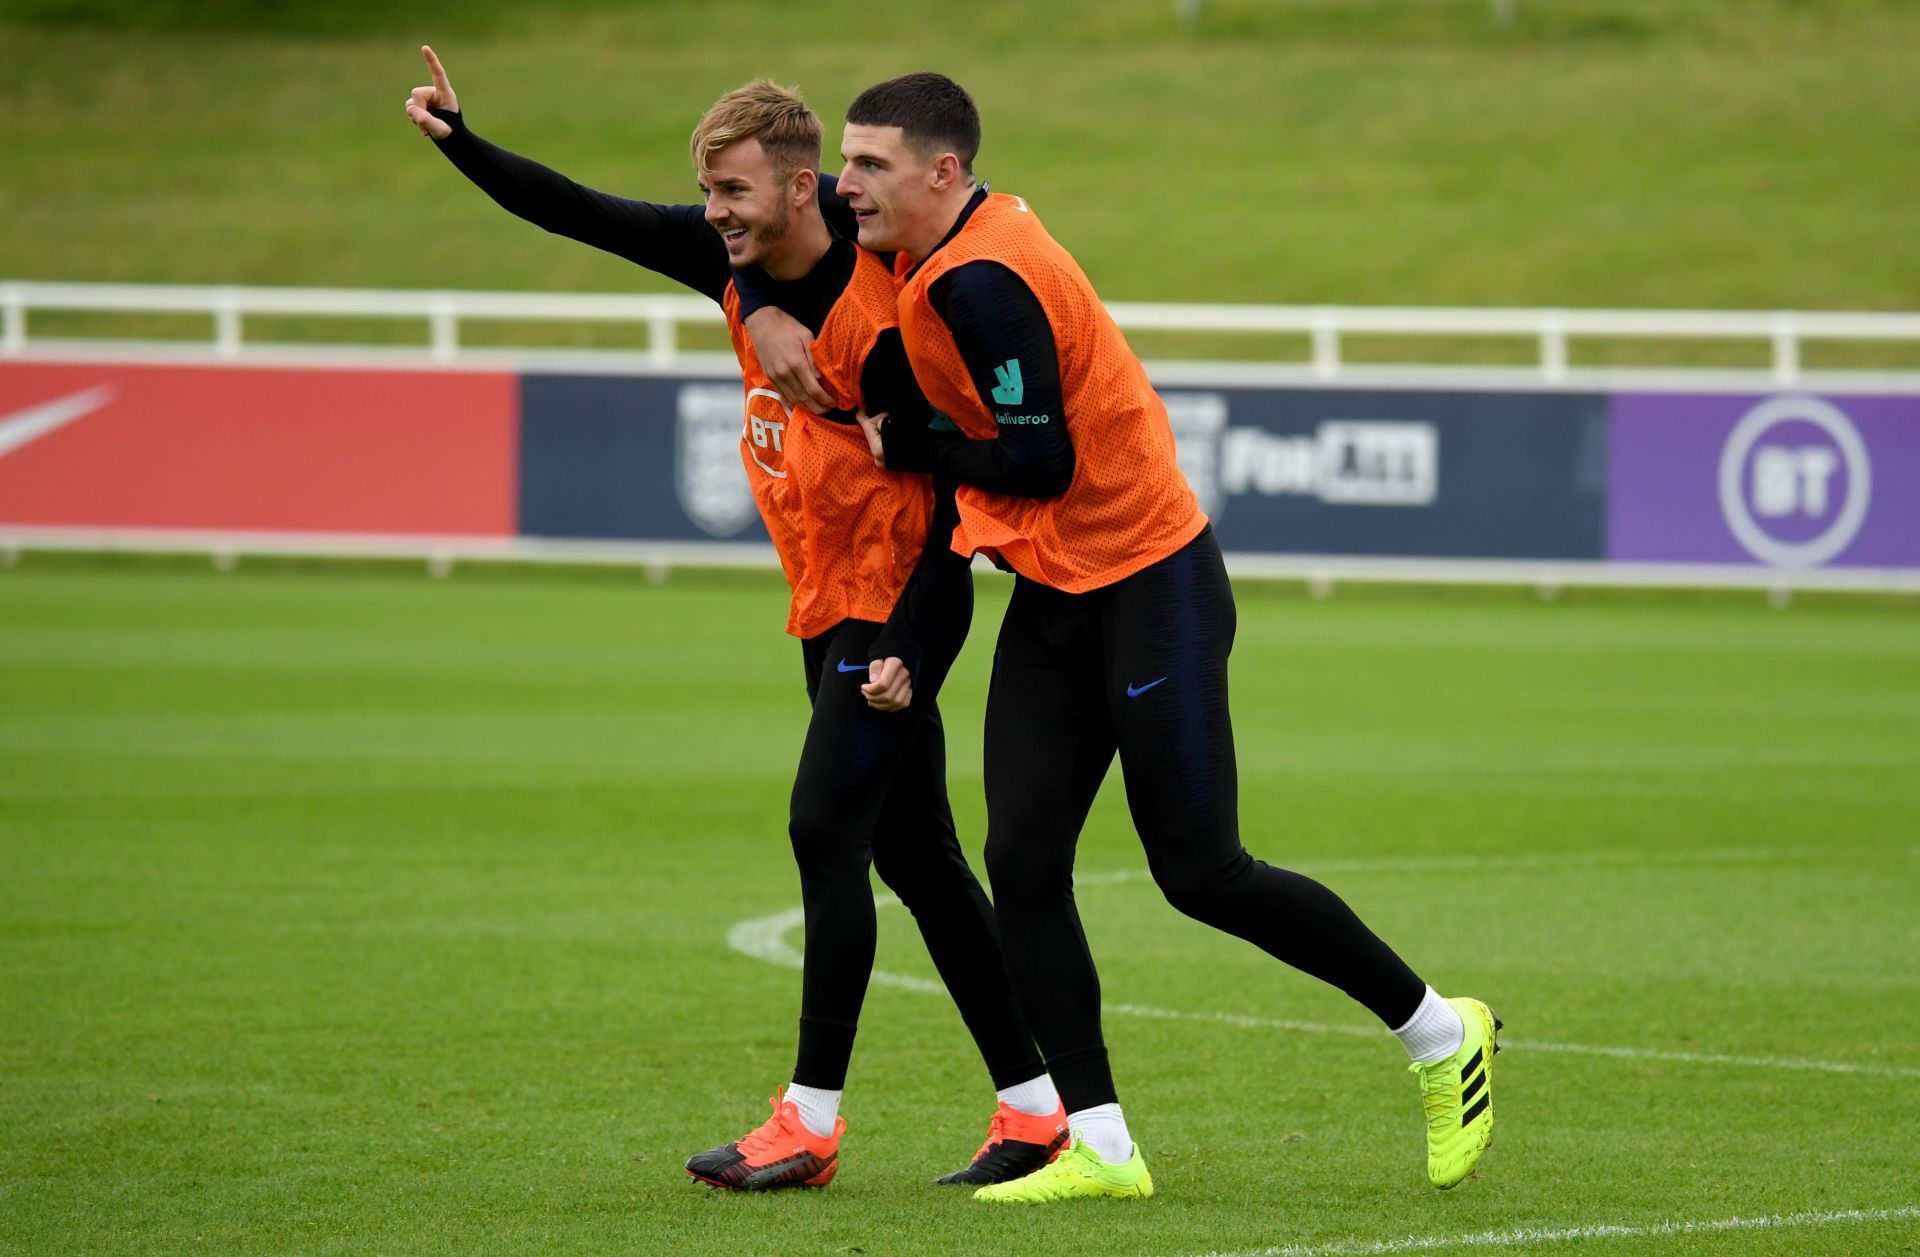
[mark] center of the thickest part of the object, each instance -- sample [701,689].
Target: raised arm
[1006,341]
[670,240]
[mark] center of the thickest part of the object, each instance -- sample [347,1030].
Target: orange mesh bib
[848,533]
[1128,505]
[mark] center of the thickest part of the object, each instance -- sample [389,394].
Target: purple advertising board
[1788,480]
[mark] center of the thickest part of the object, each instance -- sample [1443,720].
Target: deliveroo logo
[1010,388]
[1009,392]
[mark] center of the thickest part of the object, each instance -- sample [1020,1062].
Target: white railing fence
[445,312]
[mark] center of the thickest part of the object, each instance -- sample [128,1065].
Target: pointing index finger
[439,71]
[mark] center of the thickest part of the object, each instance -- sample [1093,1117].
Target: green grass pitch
[356,912]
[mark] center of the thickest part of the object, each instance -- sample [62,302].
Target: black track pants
[1139,667]
[871,791]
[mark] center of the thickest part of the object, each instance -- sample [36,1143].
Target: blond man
[879,601]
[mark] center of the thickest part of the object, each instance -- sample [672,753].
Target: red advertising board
[248,448]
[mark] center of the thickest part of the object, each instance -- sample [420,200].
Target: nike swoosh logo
[25,426]
[1136,691]
[858,667]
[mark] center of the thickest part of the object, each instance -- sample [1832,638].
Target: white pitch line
[1714,1058]
[764,938]
[1522,1236]
[1245,1022]
[1551,861]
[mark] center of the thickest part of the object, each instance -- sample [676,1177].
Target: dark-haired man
[1116,638]
[879,601]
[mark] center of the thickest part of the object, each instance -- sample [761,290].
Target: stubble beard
[770,236]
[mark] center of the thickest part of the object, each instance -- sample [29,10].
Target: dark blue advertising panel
[634,458]
[1420,473]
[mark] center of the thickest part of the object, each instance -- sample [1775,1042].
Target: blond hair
[776,116]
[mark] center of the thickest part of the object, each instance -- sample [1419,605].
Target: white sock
[1434,1032]
[817,1108]
[1035,1097]
[1103,1129]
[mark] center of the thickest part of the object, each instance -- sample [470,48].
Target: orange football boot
[1017,1145]
[780,1152]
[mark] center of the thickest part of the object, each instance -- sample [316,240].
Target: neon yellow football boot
[1076,1174]
[1458,1096]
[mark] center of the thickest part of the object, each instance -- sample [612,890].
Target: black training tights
[1140,667]
[872,790]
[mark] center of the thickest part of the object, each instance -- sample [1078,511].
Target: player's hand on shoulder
[889,685]
[785,349]
[436,95]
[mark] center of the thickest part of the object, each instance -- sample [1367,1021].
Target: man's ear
[947,172]
[803,187]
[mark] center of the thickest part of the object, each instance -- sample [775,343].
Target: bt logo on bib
[765,431]
[1794,481]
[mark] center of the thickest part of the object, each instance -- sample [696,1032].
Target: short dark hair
[933,112]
